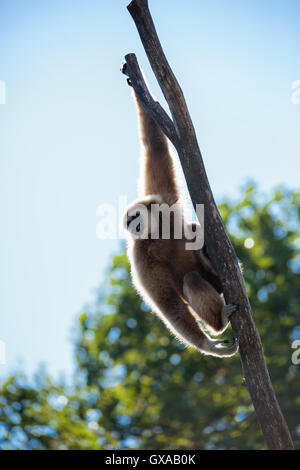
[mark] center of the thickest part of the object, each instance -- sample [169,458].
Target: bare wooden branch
[220,249]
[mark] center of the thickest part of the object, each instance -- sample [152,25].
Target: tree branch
[219,247]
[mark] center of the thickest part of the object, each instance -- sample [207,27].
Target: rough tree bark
[180,131]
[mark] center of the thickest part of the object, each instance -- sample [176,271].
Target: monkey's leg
[206,302]
[180,320]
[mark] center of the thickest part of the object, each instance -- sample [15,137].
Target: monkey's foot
[220,341]
[211,348]
[230,309]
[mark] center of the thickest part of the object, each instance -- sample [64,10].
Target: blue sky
[68,138]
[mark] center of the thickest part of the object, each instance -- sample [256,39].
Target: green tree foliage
[137,387]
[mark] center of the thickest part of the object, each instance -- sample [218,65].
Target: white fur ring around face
[139,220]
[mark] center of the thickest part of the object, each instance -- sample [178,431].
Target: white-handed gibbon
[180,285]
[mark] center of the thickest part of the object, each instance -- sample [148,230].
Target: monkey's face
[139,219]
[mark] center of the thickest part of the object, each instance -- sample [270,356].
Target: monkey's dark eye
[138,228]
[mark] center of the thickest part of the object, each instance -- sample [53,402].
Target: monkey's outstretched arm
[159,174]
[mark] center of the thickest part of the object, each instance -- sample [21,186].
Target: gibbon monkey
[180,285]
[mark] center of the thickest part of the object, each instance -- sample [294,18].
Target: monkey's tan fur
[180,285]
